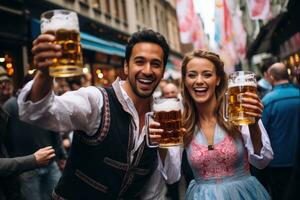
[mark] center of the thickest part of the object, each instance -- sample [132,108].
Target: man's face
[6,88]
[170,91]
[145,68]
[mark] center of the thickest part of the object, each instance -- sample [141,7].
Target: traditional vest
[99,166]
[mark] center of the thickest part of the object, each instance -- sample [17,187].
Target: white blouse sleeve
[266,153]
[171,170]
[74,110]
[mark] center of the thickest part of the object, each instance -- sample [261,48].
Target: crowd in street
[62,138]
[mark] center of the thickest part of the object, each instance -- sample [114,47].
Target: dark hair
[147,35]
[190,119]
[264,68]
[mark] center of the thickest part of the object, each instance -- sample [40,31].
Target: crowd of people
[66,139]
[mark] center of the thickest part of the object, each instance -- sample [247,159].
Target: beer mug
[63,24]
[166,111]
[238,83]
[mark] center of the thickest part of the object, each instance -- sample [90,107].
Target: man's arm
[44,51]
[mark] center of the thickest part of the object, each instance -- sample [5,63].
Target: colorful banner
[258,9]
[190,25]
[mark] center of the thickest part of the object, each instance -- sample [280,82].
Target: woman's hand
[253,105]
[155,132]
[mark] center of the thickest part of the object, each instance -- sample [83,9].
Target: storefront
[13,39]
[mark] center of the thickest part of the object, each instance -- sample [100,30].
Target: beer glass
[63,24]
[238,83]
[167,111]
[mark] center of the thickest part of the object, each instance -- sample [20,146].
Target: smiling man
[108,157]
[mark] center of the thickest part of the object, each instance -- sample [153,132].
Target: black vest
[99,166]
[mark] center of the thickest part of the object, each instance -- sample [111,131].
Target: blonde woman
[219,152]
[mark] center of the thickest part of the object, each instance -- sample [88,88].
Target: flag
[219,28]
[258,9]
[239,35]
[187,20]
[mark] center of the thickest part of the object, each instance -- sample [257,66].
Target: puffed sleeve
[266,153]
[171,170]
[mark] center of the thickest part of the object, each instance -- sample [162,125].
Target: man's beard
[137,93]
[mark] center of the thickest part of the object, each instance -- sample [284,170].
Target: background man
[170,90]
[6,86]
[281,118]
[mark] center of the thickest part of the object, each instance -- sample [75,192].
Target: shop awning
[277,31]
[96,44]
[264,41]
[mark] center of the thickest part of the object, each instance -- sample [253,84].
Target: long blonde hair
[190,118]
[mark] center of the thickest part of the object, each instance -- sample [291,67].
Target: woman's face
[201,80]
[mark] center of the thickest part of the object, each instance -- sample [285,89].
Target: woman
[219,152]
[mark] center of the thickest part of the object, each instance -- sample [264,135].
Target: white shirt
[81,110]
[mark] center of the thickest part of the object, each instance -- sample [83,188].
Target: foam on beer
[230,85]
[241,81]
[60,21]
[166,105]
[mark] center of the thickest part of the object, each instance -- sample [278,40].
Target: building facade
[105,27]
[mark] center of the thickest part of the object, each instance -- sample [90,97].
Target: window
[123,7]
[96,4]
[117,11]
[107,6]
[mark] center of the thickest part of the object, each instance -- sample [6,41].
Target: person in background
[170,90]
[60,86]
[281,118]
[11,167]
[23,139]
[296,73]
[109,158]
[6,86]
[158,92]
[86,79]
[264,84]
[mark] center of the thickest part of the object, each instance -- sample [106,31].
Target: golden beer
[64,26]
[239,83]
[167,112]
[236,112]
[171,123]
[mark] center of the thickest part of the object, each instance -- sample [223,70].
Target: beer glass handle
[225,107]
[149,144]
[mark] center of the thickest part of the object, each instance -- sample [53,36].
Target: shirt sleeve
[15,166]
[171,170]
[266,153]
[74,110]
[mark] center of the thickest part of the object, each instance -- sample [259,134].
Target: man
[264,85]
[170,91]
[6,86]
[108,158]
[281,118]
[11,167]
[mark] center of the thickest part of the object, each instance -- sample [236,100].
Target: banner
[189,24]
[258,9]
